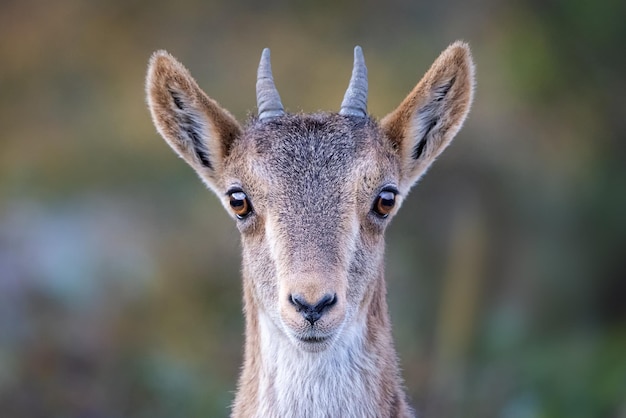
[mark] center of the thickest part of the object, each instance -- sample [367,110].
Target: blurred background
[119,273]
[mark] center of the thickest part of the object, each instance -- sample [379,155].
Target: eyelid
[389,188]
[234,189]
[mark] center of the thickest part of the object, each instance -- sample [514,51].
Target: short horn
[355,100]
[267,97]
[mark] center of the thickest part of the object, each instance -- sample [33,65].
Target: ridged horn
[267,97]
[355,100]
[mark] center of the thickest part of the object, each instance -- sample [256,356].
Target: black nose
[313,312]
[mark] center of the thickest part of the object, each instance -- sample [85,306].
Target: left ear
[431,115]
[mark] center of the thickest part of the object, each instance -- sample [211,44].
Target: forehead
[314,149]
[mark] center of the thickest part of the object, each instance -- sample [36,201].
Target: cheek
[260,269]
[365,265]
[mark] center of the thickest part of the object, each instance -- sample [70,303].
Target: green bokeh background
[119,273]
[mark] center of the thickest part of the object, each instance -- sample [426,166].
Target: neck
[356,377]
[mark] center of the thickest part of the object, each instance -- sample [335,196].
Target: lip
[313,342]
[314,339]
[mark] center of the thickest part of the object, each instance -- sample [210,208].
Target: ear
[194,125]
[431,115]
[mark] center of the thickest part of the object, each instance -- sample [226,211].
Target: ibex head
[312,193]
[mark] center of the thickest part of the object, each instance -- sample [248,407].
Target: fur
[312,181]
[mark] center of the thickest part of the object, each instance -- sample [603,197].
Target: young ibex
[312,195]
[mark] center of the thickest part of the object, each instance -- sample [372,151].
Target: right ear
[193,124]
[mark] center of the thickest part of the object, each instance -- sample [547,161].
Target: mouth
[314,339]
[313,343]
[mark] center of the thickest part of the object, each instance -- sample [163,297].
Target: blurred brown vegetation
[119,272]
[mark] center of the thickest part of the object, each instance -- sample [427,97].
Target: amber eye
[384,203]
[240,204]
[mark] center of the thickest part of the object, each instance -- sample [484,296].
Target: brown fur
[312,181]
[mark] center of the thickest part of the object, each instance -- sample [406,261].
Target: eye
[240,204]
[384,203]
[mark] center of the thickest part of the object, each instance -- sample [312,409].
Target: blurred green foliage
[119,273]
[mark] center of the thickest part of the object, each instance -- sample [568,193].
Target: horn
[355,100]
[267,98]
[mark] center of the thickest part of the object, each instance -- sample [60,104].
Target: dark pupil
[387,199]
[237,200]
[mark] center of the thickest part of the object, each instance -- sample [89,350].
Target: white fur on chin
[309,384]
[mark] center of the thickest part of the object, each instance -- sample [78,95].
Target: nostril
[299,303]
[326,302]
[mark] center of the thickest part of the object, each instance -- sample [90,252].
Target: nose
[312,312]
